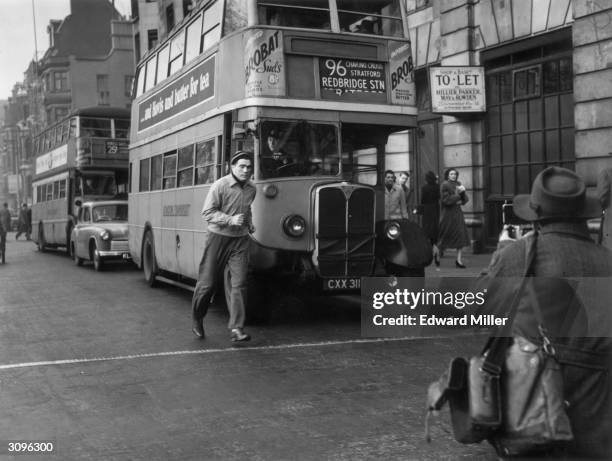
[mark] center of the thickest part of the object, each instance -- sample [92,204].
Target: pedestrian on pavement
[604,191]
[395,200]
[578,324]
[25,222]
[5,226]
[430,202]
[453,231]
[403,180]
[227,210]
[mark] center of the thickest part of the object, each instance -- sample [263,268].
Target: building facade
[548,89]
[153,19]
[89,62]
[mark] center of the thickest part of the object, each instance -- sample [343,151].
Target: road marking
[10,366]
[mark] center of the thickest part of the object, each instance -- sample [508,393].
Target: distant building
[154,19]
[90,62]
[547,87]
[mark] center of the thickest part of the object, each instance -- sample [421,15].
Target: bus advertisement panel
[325,102]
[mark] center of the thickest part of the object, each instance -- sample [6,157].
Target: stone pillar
[463,135]
[592,37]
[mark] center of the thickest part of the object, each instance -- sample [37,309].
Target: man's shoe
[198,328]
[238,335]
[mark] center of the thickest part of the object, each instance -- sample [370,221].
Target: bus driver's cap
[241,154]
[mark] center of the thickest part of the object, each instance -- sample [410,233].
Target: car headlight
[105,235]
[392,230]
[294,225]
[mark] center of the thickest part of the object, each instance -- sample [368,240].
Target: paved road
[108,369]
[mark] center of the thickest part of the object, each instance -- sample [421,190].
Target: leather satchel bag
[512,394]
[533,407]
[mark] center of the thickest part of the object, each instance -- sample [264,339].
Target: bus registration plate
[342,283]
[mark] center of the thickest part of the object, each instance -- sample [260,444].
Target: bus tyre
[149,263]
[77,261]
[258,308]
[97,260]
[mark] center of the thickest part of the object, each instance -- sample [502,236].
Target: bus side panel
[153,215]
[167,256]
[185,208]
[137,212]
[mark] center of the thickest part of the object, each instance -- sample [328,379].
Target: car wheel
[97,260]
[149,262]
[77,261]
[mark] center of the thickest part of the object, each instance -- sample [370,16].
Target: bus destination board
[352,79]
[194,87]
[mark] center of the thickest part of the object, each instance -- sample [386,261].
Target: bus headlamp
[105,235]
[294,225]
[392,230]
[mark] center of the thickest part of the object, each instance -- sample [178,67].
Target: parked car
[101,233]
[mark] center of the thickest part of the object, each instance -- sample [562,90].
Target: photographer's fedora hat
[556,193]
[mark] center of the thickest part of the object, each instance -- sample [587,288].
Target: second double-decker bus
[318,90]
[80,158]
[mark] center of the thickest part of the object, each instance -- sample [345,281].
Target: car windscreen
[102,213]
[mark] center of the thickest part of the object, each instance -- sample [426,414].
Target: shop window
[527,82]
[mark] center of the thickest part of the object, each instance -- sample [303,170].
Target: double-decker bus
[318,90]
[80,158]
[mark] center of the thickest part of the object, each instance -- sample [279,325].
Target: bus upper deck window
[373,17]
[308,14]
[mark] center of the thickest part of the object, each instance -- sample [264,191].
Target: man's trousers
[219,251]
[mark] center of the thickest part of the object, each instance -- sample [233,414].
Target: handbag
[512,394]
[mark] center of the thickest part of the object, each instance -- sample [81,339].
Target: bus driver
[227,209]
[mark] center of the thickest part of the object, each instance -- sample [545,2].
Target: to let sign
[457,89]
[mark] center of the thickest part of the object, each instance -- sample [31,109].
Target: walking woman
[430,201]
[453,231]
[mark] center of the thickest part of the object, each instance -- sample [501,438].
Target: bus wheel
[149,263]
[77,261]
[258,308]
[41,239]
